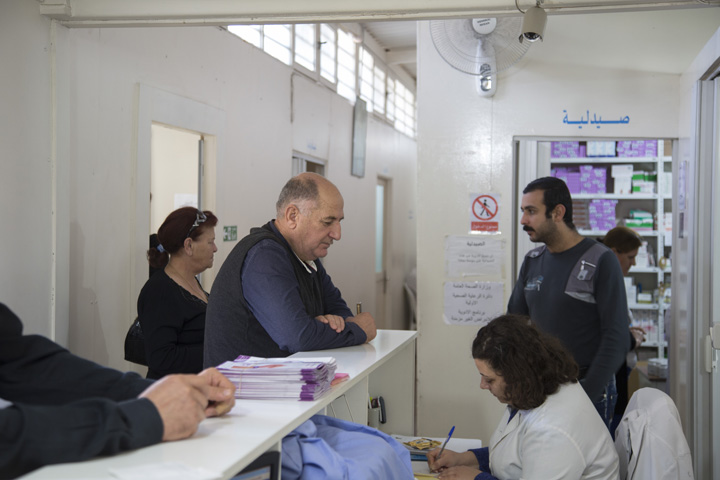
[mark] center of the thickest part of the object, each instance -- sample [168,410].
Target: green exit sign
[230,233]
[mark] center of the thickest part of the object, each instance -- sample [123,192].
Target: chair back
[650,441]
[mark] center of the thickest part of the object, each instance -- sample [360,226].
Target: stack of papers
[268,378]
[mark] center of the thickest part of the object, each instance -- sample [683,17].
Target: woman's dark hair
[622,239]
[555,192]
[532,363]
[185,222]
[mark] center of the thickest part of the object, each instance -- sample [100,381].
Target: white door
[695,379]
[715,282]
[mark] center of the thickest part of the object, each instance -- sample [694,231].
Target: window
[346,65]
[328,52]
[335,58]
[367,64]
[372,82]
[304,163]
[390,114]
[278,42]
[275,40]
[305,46]
[379,90]
[252,34]
[404,109]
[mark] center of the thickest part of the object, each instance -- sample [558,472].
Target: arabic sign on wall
[596,120]
[473,303]
[473,255]
[484,212]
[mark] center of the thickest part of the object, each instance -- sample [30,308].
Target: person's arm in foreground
[35,435]
[65,408]
[183,401]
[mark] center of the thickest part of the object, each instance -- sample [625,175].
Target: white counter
[385,366]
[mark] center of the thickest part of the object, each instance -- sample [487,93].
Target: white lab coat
[564,438]
[650,440]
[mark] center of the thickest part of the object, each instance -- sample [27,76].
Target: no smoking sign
[483,212]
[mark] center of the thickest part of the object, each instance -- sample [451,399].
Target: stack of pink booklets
[281,378]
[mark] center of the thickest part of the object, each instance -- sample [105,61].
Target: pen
[358,308]
[446,441]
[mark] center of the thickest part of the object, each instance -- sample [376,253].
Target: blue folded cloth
[328,448]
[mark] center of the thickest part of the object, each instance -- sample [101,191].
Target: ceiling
[651,35]
[664,41]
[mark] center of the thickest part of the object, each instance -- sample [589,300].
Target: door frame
[155,105]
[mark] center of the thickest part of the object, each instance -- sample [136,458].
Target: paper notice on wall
[473,303]
[471,255]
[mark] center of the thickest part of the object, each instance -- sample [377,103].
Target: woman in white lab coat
[550,429]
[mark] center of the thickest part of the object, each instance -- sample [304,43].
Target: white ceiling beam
[126,13]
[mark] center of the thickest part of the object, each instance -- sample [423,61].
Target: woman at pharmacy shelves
[172,304]
[626,243]
[550,429]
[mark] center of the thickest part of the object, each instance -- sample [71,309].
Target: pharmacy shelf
[644,306]
[655,237]
[614,196]
[600,233]
[645,270]
[605,160]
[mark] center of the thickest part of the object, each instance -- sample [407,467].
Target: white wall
[465,146]
[26,196]
[97,76]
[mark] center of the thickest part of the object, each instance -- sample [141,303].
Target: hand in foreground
[459,473]
[222,393]
[367,323]
[639,334]
[449,458]
[182,400]
[336,322]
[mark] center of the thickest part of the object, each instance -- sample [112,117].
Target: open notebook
[420,467]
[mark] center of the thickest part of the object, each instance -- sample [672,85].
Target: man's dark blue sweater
[265,300]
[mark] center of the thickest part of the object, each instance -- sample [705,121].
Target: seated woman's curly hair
[533,364]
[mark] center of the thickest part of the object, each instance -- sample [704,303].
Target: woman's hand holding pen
[443,463]
[459,473]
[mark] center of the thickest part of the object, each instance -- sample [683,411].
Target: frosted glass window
[367,62]
[404,109]
[328,53]
[305,46]
[390,100]
[379,90]
[346,66]
[278,42]
[250,33]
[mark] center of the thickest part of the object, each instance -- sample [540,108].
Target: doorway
[175,172]
[189,119]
